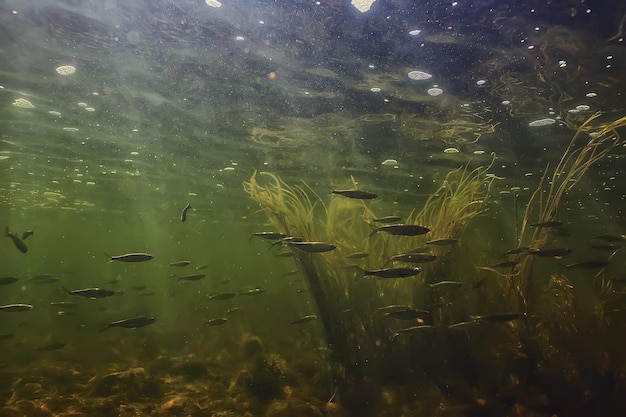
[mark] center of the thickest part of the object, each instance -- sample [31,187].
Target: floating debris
[542,122]
[415,32]
[362,5]
[375,89]
[451,150]
[419,75]
[66,70]
[213,3]
[23,104]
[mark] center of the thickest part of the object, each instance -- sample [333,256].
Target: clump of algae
[545,202]
[347,302]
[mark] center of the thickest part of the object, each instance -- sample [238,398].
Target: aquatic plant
[347,302]
[546,200]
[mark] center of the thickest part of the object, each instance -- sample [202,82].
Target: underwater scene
[351,208]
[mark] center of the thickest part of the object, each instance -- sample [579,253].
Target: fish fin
[105,329]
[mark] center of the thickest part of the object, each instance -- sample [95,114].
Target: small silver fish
[392,272]
[8,280]
[192,277]
[446,284]
[496,318]
[222,296]
[269,235]
[592,264]
[611,237]
[131,323]
[201,267]
[313,247]
[183,215]
[91,292]
[253,291]
[304,319]
[216,322]
[444,241]
[180,263]
[356,194]
[414,258]
[28,233]
[357,255]
[21,246]
[401,229]
[552,223]
[388,219]
[52,346]
[131,257]
[15,308]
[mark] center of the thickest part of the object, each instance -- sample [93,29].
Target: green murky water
[170,103]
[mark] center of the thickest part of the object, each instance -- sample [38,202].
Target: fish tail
[105,328]
[66,290]
[374,229]
[6,231]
